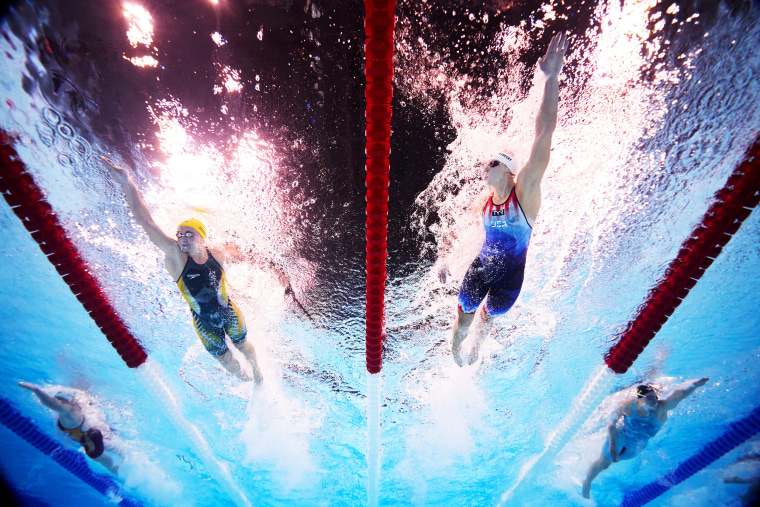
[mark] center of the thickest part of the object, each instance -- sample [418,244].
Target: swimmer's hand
[116,172]
[701,382]
[551,63]
[27,385]
[443,273]
[613,452]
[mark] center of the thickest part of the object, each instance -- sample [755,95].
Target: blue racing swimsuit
[633,433]
[499,269]
[214,314]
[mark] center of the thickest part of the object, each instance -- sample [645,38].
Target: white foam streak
[452,408]
[277,435]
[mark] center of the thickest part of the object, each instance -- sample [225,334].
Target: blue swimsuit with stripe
[498,272]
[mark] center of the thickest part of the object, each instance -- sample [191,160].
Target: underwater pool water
[252,120]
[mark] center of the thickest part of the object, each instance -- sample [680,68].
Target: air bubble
[66,131]
[47,134]
[80,147]
[51,116]
[64,160]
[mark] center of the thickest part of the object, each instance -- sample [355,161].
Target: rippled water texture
[250,116]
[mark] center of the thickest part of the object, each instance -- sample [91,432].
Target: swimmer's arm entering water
[44,397]
[175,259]
[233,252]
[528,186]
[679,395]
[68,414]
[140,210]
[448,242]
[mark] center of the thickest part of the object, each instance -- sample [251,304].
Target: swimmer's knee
[240,344]
[465,318]
[226,357]
[216,350]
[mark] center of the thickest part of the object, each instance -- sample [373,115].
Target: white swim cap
[508,158]
[65,397]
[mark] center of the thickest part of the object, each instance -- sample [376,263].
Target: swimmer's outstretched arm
[140,209]
[45,398]
[529,178]
[279,270]
[679,395]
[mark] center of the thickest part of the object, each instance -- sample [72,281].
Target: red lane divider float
[379,24]
[28,203]
[731,206]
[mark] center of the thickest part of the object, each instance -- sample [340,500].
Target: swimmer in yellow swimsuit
[199,274]
[71,420]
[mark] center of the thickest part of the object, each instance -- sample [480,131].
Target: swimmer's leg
[236,330]
[481,334]
[213,341]
[107,462]
[246,347]
[596,467]
[473,290]
[461,327]
[499,302]
[232,365]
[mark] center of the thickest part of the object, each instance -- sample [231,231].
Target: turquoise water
[634,165]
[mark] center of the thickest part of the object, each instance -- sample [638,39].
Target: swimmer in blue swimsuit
[71,421]
[496,275]
[642,417]
[199,274]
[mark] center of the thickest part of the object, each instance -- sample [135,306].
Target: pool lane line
[28,203]
[731,206]
[379,27]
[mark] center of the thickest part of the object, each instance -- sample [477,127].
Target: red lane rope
[379,24]
[28,203]
[732,204]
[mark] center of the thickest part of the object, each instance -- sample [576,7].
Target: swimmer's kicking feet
[496,275]
[199,273]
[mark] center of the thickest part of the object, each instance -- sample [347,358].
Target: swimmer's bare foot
[586,489]
[474,354]
[456,351]
[257,377]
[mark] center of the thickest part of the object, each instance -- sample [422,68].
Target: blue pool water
[657,108]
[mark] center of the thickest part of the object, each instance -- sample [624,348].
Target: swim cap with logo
[508,158]
[196,224]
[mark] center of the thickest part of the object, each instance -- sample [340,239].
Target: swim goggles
[645,389]
[187,234]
